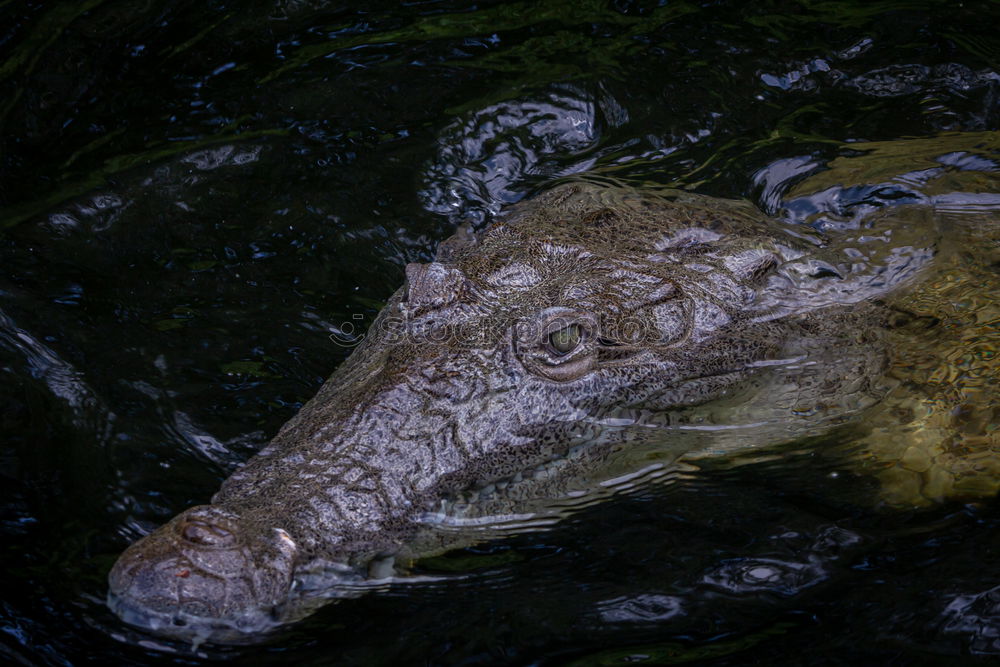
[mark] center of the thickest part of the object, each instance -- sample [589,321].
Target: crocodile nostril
[205,533]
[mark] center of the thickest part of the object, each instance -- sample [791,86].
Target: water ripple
[484,161]
[975,618]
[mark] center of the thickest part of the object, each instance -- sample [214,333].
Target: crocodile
[595,332]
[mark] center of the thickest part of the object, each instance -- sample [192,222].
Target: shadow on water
[195,196]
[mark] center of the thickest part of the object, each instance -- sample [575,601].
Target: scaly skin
[688,326]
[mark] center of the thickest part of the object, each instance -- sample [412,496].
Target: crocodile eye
[565,340]
[558,343]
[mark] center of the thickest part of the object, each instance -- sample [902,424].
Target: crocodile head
[513,363]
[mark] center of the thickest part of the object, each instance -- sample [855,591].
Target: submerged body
[530,363]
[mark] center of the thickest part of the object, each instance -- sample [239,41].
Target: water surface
[195,196]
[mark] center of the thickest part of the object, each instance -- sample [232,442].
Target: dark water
[194,195]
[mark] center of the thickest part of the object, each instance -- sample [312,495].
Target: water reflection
[975,618]
[643,608]
[488,160]
[866,177]
[62,380]
[787,576]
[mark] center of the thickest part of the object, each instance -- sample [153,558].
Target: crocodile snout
[204,574]
[210,530]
